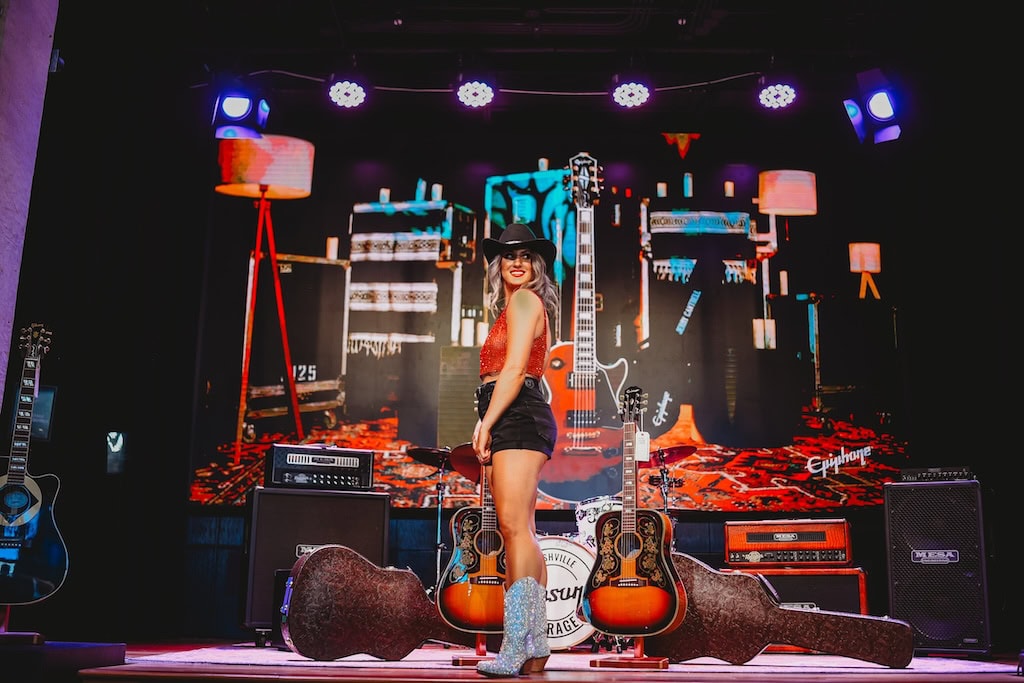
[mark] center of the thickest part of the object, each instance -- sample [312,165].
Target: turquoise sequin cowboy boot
[524,646]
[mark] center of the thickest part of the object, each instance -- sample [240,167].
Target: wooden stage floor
[437,662]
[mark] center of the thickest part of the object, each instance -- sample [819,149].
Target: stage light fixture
[475,93]
[630,92]
[874,114]
[346,92]
[240,112]
[776,94]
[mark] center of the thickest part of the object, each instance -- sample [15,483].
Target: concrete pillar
[26,42]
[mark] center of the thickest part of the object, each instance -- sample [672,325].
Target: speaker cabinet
[284,524]
[936,560]
[456,406]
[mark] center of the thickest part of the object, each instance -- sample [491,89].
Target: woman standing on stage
[516,433]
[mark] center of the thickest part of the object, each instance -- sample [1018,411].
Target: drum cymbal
[435,457]
[465,463]
[667,456]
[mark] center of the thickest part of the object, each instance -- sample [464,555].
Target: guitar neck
[488,518]
[584,323]
[629,477]
[18,467]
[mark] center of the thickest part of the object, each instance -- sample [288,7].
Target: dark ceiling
[714,47]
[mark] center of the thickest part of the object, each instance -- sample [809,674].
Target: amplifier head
[788,542]
[312,466]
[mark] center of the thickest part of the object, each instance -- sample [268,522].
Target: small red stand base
[472,660]
[637,661]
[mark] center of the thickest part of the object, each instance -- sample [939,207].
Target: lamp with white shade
[866,258]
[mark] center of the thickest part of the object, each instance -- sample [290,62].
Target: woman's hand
[482,443]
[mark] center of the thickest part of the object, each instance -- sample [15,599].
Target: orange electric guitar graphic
[633,589]
[584,393]
[471,592]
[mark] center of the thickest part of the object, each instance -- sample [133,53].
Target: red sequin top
[495,349]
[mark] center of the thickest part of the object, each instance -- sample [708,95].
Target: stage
[440,662]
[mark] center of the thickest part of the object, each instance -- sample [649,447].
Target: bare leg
[514,478]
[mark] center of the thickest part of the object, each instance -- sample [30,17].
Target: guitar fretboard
[584,324]
[629,478]
[18,465]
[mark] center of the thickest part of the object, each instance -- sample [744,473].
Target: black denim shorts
[528,423]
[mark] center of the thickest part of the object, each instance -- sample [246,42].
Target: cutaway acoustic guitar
[33,556]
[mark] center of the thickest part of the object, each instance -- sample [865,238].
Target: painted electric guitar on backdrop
[471,592]
[633,589]
[584,393]
[33,557]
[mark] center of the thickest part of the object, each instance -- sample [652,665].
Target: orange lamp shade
[279,164]
[865,257]
[787,193]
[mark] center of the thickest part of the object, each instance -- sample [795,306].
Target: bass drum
[569,564]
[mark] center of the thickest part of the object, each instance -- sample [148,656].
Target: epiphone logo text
[822,466]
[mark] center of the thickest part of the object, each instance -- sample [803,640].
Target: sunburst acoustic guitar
[633,589]
[471,591]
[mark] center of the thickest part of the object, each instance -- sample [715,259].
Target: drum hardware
[463,460]
[610,642]
[667,456]
[662,458]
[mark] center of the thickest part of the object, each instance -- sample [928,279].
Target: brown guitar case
[338,603]
[732,617]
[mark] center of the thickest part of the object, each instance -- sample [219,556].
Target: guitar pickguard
[472,543]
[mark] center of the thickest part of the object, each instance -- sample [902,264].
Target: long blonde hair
[540,282]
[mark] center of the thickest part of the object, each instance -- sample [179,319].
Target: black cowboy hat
[520,236]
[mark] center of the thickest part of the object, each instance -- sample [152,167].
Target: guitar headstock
[584,180]
[634,400]
[34,340]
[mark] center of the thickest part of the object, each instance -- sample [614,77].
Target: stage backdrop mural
[734,286]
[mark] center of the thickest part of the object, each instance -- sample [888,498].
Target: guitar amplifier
[318,467]
[788,543]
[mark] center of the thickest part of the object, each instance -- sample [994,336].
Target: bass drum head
[569,564]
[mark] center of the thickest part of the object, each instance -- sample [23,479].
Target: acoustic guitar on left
[33,556]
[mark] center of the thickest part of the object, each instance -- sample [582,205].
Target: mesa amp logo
[788,542]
